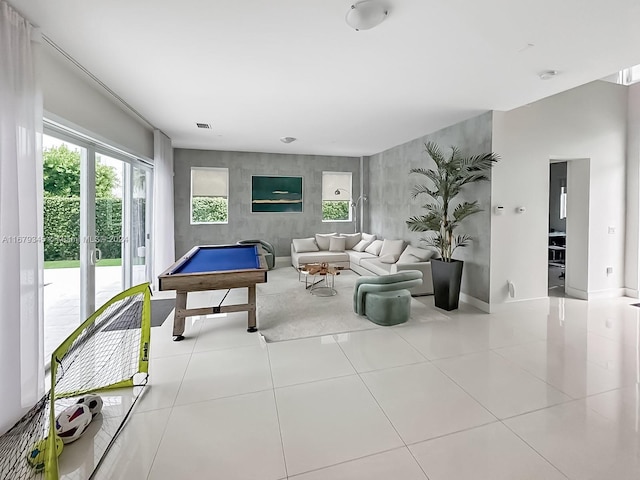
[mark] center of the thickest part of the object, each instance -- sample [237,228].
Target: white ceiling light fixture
[547,74]
[288,139]
[366,14]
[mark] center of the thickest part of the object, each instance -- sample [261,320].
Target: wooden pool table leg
[179,316]
[251,327]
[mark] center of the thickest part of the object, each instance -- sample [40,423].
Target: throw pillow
[352,239]
[408,258]
[415,255]
[369,238]
[361,245]
[322,239]
[388,259]
[302,245]
[374,248]
[393,248]
[337,244]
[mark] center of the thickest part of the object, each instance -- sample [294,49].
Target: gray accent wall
[276,228]
[390,202]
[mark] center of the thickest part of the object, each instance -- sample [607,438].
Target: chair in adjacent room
[386,300]
[265,249]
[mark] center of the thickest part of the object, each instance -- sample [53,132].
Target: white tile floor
[540,390]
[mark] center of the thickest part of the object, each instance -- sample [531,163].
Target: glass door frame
[88,254]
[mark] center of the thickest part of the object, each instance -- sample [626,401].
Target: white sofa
[365,255]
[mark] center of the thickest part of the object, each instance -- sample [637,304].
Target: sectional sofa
[364,254]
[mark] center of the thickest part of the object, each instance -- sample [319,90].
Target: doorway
[557,244]
[569,199]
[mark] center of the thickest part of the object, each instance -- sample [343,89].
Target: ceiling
[259,70]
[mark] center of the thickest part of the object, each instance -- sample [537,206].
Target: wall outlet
[609,270]
[612,230]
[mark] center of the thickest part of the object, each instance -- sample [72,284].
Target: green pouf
[388,308]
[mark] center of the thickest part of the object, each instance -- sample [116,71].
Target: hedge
[335,210]
[62,227]
[209,209]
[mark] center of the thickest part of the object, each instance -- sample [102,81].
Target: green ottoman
[388,308]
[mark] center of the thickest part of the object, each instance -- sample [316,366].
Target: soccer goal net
[110,350]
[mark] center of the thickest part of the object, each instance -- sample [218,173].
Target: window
[209,195]
[336,196]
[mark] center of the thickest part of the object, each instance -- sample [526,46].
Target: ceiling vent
[547,74]
[203,125]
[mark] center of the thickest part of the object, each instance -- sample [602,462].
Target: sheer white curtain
[163,234]
[21,363]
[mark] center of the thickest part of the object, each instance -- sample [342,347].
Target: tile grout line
[415,349]
[534,449]
[514,364]
[344,462]
[571,399]
[381,409]
[164,431]
[275,403]
[166,425]
[465,391]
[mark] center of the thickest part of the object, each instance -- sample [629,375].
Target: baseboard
[519,300]
[595,295]
[574,292]
[283,261]
[474,302]
[632,293]
[609,293]
[501,306]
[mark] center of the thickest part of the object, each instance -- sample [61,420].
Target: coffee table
[324,287]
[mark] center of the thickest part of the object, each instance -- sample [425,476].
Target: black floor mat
[160,310]
[129,316]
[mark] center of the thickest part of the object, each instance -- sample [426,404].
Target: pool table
[214,267]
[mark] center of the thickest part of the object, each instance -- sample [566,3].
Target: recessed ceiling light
[203,125]
[288,139]
[366,14]
[548,74]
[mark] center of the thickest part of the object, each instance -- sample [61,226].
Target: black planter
[447,277]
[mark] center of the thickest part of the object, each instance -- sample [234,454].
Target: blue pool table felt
[213,259]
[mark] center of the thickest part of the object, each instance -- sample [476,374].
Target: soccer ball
[94,402]
[72,422]
[36,456]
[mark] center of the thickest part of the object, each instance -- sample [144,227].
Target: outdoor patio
[62,299]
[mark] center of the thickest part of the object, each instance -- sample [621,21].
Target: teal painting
[276,194]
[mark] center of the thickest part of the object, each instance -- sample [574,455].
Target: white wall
[632,275]
[71,95]
[588,122]
[578,208]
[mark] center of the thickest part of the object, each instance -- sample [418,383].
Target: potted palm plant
[444,215]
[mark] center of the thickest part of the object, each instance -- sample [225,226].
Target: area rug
[286,310]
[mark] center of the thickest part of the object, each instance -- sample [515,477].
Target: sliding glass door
[96,230]
[62,241]
[140,225]
[110,217]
